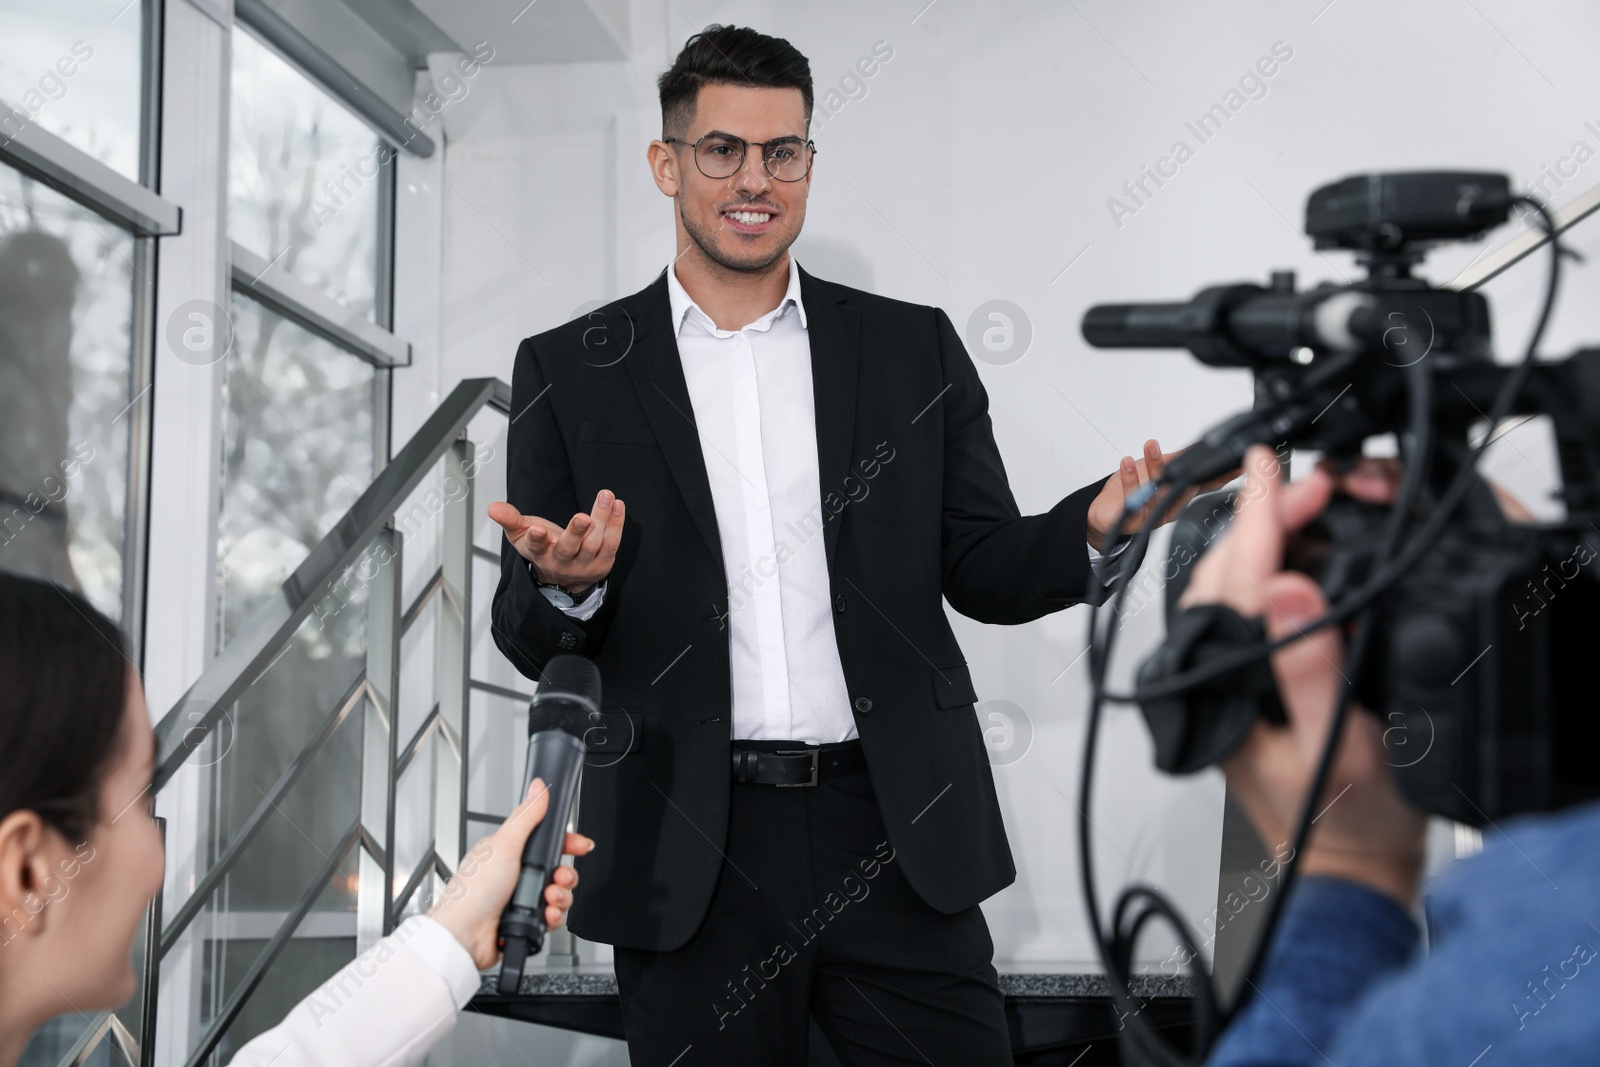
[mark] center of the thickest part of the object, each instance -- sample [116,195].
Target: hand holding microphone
[565,707]
[472,902]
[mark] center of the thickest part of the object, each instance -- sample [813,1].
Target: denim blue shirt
[1512,975]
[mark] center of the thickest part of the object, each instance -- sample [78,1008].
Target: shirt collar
[683,304]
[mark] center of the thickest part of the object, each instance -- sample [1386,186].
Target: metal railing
[369,527]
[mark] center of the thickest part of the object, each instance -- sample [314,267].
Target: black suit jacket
[914,507]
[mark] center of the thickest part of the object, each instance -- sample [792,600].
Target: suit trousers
[811,916]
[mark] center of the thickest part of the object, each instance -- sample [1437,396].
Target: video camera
[1467,632]
[1477,650]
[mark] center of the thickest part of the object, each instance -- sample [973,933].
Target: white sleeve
[582,610]
[386,1008]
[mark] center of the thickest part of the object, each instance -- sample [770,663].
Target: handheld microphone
[566,704]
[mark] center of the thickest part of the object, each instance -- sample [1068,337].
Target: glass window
[66,309]
[303,177]
[297,451]
[74,68]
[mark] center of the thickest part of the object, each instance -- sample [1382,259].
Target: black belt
[802,765]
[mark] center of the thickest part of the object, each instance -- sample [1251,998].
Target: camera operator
[1512,930]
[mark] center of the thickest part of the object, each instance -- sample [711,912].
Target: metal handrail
[258,818]
[268,629]
[105,1024]
[369,524]
[269,955]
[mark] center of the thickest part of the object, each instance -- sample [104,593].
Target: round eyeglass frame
[766,163]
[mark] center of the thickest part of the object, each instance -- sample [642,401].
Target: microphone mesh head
[572,675]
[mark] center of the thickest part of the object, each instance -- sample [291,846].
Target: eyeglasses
[719,155]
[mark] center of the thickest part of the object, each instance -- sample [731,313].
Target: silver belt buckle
[812,752]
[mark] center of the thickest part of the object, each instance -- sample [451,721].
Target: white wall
[977,165]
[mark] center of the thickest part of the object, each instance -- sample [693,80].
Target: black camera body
[1475,667]
[1478,658]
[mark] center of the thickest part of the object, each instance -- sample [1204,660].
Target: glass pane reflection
[297,451]
[303,177]
[66,308]
[74,69]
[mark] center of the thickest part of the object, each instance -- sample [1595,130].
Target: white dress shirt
[753,407]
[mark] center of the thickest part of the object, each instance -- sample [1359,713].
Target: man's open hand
[574,558]
[1130,476]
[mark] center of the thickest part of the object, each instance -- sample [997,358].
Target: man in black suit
[808,470]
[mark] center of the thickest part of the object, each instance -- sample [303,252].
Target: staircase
[368,738]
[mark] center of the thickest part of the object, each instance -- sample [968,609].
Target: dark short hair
[63,694]
[729,55]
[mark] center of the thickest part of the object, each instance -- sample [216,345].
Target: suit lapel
[657,375]
[835,334]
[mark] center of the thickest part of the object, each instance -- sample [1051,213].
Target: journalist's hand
[573,558]
[472,901]
[1364,830]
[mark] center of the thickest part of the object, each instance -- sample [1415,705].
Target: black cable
[1139,904]
[1114,951]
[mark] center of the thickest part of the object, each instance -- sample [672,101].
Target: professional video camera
[1468,634]
[1478,649]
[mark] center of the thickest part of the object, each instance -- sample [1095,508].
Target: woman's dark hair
[63,692]
[729,55]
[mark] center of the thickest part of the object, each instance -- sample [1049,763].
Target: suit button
[863,705]
[568,641]
[838,602]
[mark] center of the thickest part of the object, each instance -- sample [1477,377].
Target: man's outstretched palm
[574,558]
[1130,477]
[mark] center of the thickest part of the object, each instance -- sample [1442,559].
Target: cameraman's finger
[1300,502]
[1373,479]
[1255,536]
[578,845]
[1269,510]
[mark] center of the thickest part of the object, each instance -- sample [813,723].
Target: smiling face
[745,222]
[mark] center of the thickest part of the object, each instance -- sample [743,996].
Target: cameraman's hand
[1364,830]
[574,558]
[474,898]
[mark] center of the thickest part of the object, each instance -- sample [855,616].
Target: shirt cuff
[1095,556]
[443,954]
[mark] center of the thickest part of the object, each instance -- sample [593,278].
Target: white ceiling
[543,31]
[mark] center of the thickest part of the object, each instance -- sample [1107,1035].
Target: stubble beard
[706,242]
